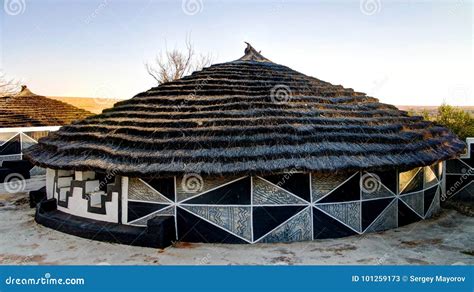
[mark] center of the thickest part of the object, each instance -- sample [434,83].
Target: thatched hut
[243,152]
[24,118]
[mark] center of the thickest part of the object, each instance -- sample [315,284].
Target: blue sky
[402,52]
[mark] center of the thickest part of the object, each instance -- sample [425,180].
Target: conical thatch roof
[26,109]
[249,116]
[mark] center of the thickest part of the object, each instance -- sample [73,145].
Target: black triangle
[456,166]
[236,193]
[388,179]
[265,219]
[416,184]
[372,209]
[349,191]
[194,229]
[11,147]
[324,226]
[139,209]
[429,196]
[296,183]
[164,186]
[406,215]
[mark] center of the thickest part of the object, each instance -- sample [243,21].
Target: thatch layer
[27,109]
[249,116]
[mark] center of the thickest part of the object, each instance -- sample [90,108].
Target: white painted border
[212,189]
[469,142]
[335,188]
[30,129]
[153,189]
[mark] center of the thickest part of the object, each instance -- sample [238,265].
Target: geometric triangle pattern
[265,219]
[235,193]
[435,205]
[4,137]
[266,193]
[457,166]
[297,228]
[142,221]
[371,209]
[411,181]
[11,147]
[295,183]
[415,201]
[27,142]
[236,220]
[164,186]
[430,178]
[192,228]
[278,208]
[141,191]
[346,212]
[428,198]
[349,190]
[380,191]
[323,184]
[406,215]
[388,219]
[194,185]
[325,226]
[137,210]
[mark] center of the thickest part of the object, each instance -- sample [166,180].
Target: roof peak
[25,91]
[252,55]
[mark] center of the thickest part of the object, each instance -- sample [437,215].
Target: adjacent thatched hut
[243,152]
[24,118]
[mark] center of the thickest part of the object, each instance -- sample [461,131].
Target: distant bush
[454,118]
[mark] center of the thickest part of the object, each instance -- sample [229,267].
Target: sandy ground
[445,240]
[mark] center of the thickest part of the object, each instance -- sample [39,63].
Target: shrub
[454,118]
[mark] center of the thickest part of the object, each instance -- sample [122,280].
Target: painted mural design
[258,209]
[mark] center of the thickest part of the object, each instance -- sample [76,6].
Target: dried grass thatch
[26,109]
[249,116]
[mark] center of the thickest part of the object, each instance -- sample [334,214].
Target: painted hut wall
[124,199]
[287,207]
[50,175]
[14,140]
[257,209]
[78,193]
[460,175]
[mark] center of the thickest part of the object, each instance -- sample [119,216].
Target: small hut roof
[249,116]
[26,109]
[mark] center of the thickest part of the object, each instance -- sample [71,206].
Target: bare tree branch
[8,86]
[174,64]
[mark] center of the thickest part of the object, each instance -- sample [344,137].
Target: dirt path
[446,240]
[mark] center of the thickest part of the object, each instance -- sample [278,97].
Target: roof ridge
[253,55]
